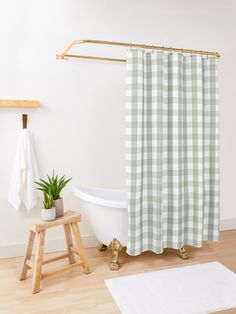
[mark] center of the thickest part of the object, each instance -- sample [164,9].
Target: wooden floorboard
[75,292]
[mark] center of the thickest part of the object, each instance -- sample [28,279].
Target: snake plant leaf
[45,182]
[53,186]
[48,200]
[41,184]
[49,179]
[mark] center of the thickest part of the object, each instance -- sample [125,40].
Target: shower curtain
[171,150]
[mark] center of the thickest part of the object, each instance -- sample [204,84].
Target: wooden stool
[37,226]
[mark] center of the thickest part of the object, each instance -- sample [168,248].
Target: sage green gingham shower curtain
[172,150]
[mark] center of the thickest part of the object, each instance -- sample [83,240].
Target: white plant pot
[48,214]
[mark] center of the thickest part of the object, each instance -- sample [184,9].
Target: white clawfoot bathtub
[106,210]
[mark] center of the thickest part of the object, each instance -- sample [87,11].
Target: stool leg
[80,247]
[28,254]
[69,243]
[38,262]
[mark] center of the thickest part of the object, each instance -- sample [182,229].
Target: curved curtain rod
[64,55]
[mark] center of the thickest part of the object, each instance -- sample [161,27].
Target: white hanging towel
[24,173]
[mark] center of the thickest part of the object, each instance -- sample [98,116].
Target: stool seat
[38,227]
[36,224]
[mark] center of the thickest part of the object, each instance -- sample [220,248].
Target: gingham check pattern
[172,150]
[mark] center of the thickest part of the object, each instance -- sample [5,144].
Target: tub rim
[78,192]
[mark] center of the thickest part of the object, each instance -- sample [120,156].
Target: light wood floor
[75,292]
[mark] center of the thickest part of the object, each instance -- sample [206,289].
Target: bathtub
[107,213]
[106,210]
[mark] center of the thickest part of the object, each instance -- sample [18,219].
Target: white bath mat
[196,289]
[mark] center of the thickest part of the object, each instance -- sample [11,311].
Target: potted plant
[54,185]
[48,212]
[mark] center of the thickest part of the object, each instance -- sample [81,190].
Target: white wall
[79,129]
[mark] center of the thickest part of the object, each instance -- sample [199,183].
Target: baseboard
[51,245]
[228,224]
[55,245]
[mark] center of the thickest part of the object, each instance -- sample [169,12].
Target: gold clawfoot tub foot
[115,247]
[102,247]
[183,253]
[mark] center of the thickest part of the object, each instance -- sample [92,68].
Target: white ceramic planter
[48,214]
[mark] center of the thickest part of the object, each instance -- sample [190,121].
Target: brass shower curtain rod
[65,54]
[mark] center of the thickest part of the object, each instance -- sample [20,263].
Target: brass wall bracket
[24,121]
